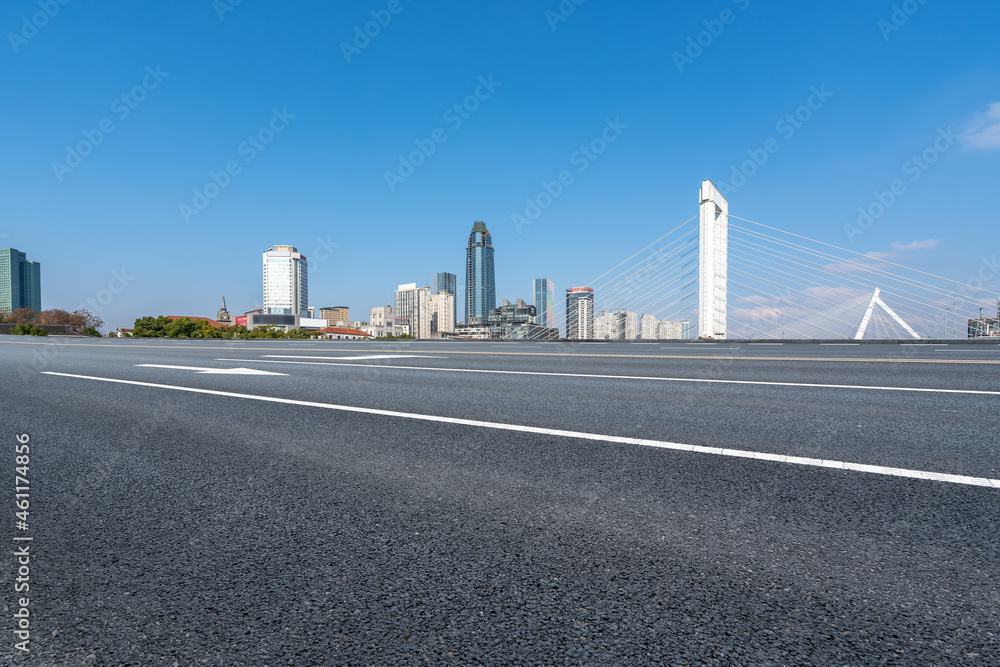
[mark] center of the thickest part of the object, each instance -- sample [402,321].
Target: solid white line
[659,444]
[629,377]
[367,356]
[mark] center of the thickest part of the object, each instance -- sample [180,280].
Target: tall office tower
[480,277]
[650,327]
[20,281]
[545,298]
[580,313]
[286,281]
[447,283]
[442,312]
[413,308]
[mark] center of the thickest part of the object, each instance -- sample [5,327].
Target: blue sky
[201,77]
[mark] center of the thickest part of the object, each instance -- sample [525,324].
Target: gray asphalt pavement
[171,525]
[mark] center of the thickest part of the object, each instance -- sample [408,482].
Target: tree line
[185,327]
[27,321]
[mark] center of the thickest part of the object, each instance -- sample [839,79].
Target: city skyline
[864,150]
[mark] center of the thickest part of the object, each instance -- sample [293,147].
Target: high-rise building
[545,298]
[580,313]
[480,277]
[674,330]
[413,309]
[606,326]
[447,283]
[334,314]
[650,327]
[616,325]
[442,312]
[630,325]
[286,281]
[20,281]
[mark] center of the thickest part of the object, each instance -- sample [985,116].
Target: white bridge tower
[713,279]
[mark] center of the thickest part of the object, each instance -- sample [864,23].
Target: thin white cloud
[984,130]
[898,248]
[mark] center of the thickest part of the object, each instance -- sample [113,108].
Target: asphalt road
[482,503]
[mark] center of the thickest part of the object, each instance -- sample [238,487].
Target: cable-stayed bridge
[735,278]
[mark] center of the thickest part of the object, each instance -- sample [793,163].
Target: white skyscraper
[413,309]
[442,312]
[606,326]
[286,281]
[631,325]
[674,330]
[649,327]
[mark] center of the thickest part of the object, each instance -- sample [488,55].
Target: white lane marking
[967,350]
[632,377]
[840,343]
[367,356]
[213,371]
[580,435]
[765,343]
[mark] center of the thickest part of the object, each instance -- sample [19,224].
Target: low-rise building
[334,314]
[338,333]
[509,315]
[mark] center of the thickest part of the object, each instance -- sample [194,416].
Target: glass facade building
[545,296]
[480,277]
[20,281]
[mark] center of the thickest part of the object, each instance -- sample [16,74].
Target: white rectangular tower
[713,283]
[286,281]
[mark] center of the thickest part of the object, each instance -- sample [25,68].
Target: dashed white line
[579,435]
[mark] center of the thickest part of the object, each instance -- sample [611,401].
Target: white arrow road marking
[214,371]
[368,356]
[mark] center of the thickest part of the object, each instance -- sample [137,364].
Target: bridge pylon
[713,278]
